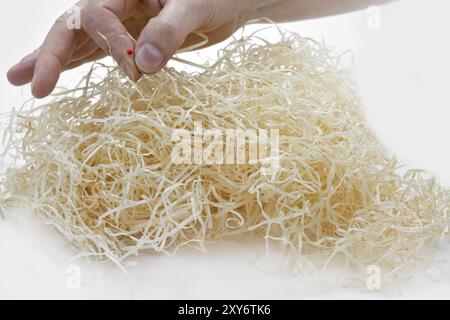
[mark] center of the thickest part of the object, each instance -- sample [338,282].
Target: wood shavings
[96,164]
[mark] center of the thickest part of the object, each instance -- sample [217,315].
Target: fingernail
[149,58]
[128,70]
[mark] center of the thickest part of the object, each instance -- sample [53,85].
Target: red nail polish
[130,52]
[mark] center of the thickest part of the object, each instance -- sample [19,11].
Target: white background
[403,74]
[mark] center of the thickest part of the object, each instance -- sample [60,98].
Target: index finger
[103,23]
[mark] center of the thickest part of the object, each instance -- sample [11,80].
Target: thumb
[165,34]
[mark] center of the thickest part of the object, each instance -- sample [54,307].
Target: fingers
[96,55]
[53,56]
[164,34]
[84,50]
[103,24]
[58,52]
[103,30]
[22,72]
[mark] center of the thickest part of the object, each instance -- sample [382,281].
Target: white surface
[402,70]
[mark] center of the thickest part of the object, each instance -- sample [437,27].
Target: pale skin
[160,28]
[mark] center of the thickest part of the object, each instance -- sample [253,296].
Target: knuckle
[119,43]
[169,29]
[88,15]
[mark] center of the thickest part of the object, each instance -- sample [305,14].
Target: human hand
[161,27]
